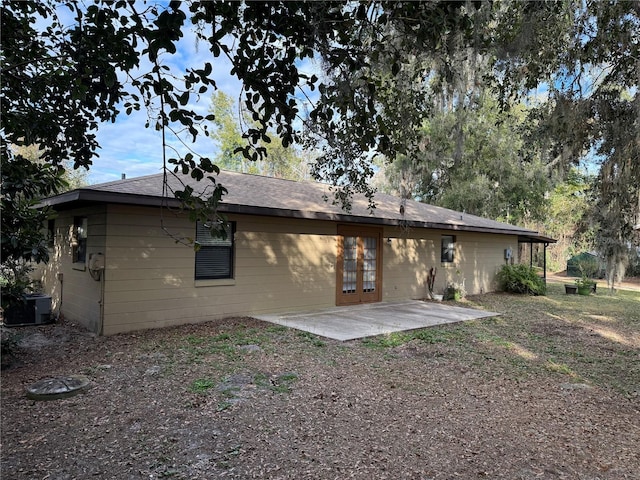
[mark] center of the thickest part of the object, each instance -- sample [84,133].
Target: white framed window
[214,256]
[447,248]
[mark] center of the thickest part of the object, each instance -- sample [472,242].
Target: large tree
[60,81]
[227,133]
[588,56]
[475,159]
[567,205]
[578,62]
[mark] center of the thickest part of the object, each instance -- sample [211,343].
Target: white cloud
[128,147]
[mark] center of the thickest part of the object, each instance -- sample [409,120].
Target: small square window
[79,240]
[448,247]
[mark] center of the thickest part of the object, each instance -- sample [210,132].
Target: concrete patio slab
[367,320]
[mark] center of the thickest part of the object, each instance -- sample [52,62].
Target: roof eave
[309,215]
[535,238]
[82,197]
[74,198]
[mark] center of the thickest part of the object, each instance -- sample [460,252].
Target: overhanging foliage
[386,65]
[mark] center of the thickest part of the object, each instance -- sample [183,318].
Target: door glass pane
[369,264]
[350,266]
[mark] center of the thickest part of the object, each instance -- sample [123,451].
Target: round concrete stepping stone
[55,388]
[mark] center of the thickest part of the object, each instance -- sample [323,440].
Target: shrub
[15,281]
[8,346]
[521,279]
[588,267]
[455,289]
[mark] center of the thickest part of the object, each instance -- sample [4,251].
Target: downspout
[60,278]
[97,272]
[101,314]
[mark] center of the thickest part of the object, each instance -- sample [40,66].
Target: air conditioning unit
[35,310]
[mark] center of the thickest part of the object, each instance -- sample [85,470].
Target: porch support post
[531,254]
[544,271]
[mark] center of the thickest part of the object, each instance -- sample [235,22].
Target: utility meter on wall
[96,261]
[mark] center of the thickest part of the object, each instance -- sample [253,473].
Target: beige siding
[75,295]
[409,256]
[406,262]
[280,265]
[480,256]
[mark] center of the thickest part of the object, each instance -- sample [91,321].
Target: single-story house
[116,266]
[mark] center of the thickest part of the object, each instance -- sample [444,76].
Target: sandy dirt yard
[548,390]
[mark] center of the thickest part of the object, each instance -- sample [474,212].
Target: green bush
[8,343]
[521,279]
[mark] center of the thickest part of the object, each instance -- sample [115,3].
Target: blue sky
[127,147]
[130,148]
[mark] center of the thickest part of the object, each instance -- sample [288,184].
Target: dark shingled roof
[258,195]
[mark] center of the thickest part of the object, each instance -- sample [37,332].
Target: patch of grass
[277,329]
[389,340]
[496,340]
[433,335]
[248,336]
[430,335]
[591,338]
[222,406]
[220,338]
[201,385]
[286,380]
[223,348]
[312,339]
[226,343]
[552,366]
[196,340]
[276,383]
